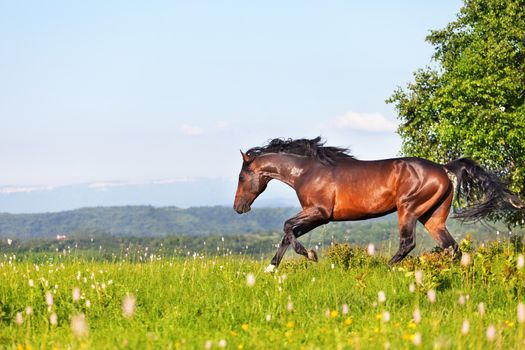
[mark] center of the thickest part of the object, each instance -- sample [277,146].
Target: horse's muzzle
[242,208]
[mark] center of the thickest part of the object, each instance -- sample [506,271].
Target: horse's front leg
[295,227]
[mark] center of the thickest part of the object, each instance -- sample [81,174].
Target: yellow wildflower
[409,336]
[290,324]
[334,314]
[348,321]
[245,327]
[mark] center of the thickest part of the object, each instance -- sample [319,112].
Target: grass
[205,302]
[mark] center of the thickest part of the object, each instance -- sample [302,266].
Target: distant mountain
[181,193]
[143,221]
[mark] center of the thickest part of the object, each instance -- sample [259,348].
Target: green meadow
[349,300]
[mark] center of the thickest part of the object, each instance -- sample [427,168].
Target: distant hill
[182,193]
[144,221]
[150,222]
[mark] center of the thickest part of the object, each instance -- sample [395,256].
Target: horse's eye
[241,178]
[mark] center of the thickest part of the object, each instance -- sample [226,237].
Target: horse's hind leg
[407,236]
[434,221]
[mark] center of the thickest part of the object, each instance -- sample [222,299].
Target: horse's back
[365,189]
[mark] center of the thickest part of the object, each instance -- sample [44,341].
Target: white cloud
[222,124]
[26,189]
[375,122]
[104,186]
[191,130]
[173,181]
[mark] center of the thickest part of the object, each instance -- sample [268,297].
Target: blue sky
[128,91]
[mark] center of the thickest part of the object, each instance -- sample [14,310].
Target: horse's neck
[287,168]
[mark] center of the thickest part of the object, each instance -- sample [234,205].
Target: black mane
[313,148]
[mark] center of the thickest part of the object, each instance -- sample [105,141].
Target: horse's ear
[245,157]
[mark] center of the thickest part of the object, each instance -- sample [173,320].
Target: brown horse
[334,186]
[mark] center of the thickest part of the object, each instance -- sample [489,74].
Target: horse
[332,185]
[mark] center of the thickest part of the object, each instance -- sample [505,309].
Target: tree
[472,101]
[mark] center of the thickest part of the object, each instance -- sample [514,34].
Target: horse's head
[251,184]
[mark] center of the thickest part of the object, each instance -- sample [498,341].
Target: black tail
[480,193]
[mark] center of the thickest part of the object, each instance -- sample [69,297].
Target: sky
[105,92]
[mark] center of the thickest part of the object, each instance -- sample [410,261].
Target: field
[350,299]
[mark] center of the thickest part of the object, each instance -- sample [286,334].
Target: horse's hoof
[270,268]
[312,255]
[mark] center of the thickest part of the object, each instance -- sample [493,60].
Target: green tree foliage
[471,102]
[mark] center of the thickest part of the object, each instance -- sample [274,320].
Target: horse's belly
[355,215]
[353,207]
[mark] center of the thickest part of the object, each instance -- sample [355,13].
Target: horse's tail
[479,192]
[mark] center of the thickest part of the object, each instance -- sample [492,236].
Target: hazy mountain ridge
[143,221]
[165,193]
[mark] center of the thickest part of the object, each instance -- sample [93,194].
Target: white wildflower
[419,277]
[381,297]
[79,325]
[128,306]
[481,309]
[371,249]
[465,327]
[346,309]
[417,339]
[19,319]
[49,299]
[491,333]
[521,312]
[465,259]
[521,261]
[76,294]
[431,294]
[417,316]
[289,307]
[250,280]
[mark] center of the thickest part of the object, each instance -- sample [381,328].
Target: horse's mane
[313,148]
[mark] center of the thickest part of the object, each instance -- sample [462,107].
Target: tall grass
[211,302]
